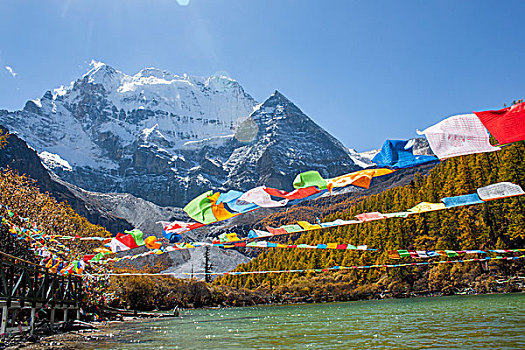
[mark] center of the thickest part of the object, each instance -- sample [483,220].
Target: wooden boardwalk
[26,285]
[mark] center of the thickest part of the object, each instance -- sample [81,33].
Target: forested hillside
[493,225]
[24,198]
[27,204]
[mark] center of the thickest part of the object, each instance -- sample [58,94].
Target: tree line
[497,224]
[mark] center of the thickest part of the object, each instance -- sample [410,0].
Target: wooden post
[32,321]
[52,318]
[5,310]
[65,314]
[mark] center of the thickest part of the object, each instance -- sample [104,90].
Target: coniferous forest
[497,224]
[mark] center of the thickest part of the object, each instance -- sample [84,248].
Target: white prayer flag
[499,190]
[261,198]
[458,135]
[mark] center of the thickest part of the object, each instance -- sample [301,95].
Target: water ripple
[460,322]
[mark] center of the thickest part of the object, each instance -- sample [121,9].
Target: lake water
[457,322]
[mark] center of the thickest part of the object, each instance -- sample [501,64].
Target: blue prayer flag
[399,154]
[230,199]
[458,201]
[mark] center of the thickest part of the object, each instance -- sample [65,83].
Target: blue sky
[364,70]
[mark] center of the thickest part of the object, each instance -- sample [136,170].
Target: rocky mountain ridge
[167,138]
[18,156]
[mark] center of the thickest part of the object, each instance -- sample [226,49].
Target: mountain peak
[277,102]
[98,67]
[277,99]
[278,96]
[154,72]
[101,73]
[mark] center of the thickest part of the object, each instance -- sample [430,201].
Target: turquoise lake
[456,322]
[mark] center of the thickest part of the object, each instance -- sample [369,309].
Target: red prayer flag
[276,231]
[394,254]
[297,194]
[506,125]
[413,254]
[127,239]
[86,258]
[370,216]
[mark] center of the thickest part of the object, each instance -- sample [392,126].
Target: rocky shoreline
[79,335]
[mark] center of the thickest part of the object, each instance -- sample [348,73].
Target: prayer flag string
[334,268]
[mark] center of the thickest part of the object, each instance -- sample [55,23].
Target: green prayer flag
[451,253]
[309,179]
[199,209]
[292,228]
[404,253]
[137,235]
[97,257]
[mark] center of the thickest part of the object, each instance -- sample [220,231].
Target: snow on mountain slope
[287,142]
[363,159]
[109,108]
[168,138]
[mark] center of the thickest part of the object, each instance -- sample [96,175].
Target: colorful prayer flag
[364,217]
[458,201]
[423,207]
[399,154]
[137,236]
[261,198]
[199,209]
[458,135]
[152,243]
[179,226]
[361,178]
[232,200]
[299,193]
[506,125]
[309,179]
[308,226]
[499,190]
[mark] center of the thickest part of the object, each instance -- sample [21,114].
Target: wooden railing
[25,284]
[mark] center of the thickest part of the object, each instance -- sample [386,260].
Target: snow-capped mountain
[363,159]
[167,138]
[107,109]
[285,143]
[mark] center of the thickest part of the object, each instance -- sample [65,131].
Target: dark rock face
[18,156]
[287,143]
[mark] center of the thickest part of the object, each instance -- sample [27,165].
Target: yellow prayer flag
[219,211]
[308,226]
[424,207]
[232,237]
[361,178]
